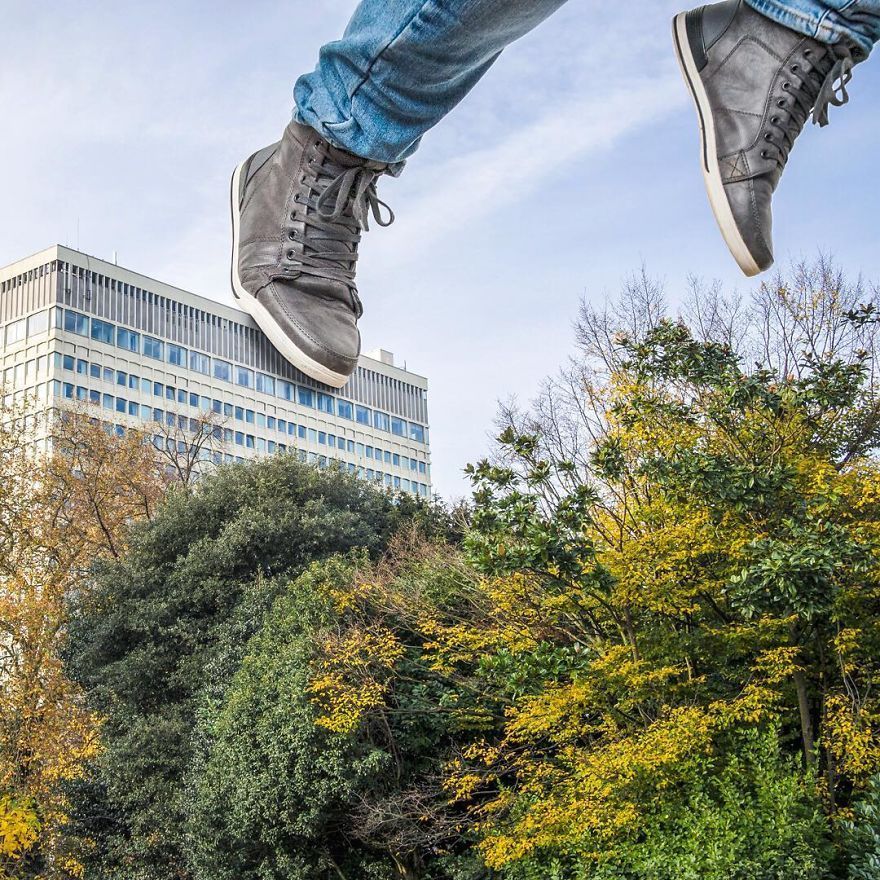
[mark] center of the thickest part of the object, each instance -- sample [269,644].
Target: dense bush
[173,618]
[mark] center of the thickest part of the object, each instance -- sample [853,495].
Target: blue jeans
[402,65]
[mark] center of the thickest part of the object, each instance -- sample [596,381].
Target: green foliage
[172,619]
[746,813]
[276,793]
[861,835]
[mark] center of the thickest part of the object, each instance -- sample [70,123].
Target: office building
[79,331]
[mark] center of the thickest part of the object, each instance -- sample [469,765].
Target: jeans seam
[765,6]
[384,49]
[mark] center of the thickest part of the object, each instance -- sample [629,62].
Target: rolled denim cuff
[814,19]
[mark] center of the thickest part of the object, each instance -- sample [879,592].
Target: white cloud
[465,189]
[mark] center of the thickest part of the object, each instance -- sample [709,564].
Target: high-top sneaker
[754,83]
[298,210]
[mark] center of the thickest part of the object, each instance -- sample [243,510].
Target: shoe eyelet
[293,215]
[786,86]
[765,154]
[292,235]
[808,53]
[774,120]
[290,255]
[795,68]
[768,136]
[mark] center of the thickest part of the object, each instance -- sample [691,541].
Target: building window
[127,339]
[201,363]
[344,409]
[222,370]
[306,396]
[398,427]
[265,383]
[176,355]
[362,415]
[326,403]
[102,331]
[381,421]
[154,348]
[417,433]
[244,377]
[38,323]
[74,322]
[95,371]
[285,390]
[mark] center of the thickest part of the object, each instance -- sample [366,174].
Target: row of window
[391,481]
[284,427]
[218,407]
[157,349]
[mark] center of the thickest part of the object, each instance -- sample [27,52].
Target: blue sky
[573,162]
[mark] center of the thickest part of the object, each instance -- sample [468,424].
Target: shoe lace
[820,85]
[336,198]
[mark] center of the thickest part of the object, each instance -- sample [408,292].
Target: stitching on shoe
[270,289]
[756,218]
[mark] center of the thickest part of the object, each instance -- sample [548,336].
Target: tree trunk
[800,684]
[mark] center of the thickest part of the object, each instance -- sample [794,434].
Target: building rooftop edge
[59,251]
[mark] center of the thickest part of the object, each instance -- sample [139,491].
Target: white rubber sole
[258,312]
[709,159]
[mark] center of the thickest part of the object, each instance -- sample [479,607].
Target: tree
[168,625]
[308,774]
[682,548]
[58,514]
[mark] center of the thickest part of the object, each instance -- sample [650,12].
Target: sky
[572,164]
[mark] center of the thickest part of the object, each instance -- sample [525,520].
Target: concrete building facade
[79,331]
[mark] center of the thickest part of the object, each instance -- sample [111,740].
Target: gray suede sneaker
[298,210]
[754,83]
